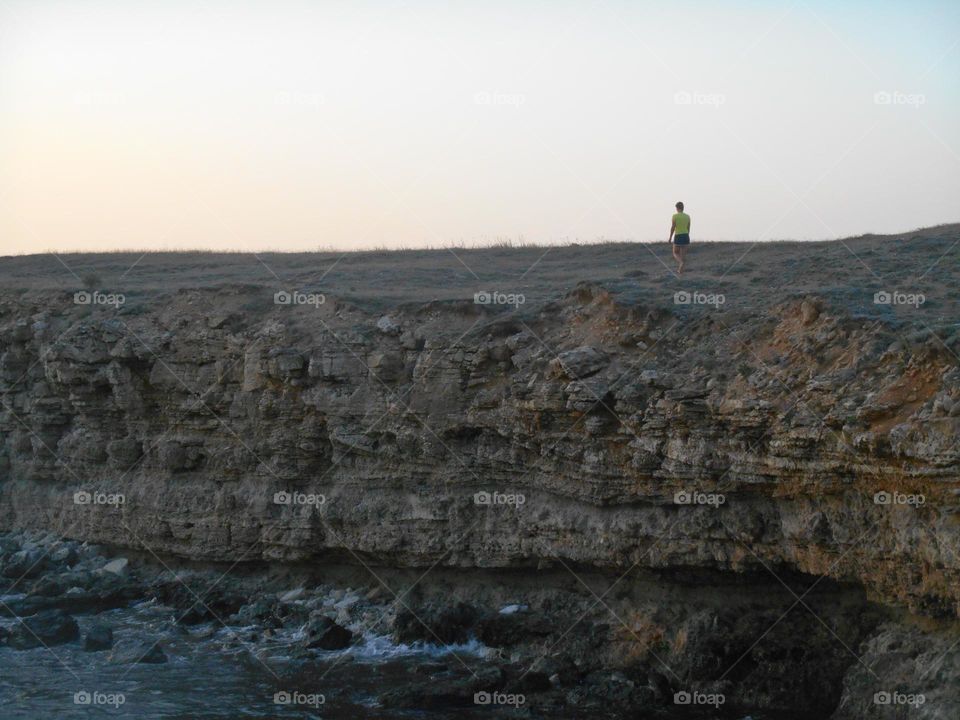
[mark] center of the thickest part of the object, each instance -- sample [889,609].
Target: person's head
[679,207]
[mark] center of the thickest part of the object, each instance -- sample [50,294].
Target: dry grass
[751,276]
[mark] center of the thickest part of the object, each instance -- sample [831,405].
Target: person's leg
[682,258]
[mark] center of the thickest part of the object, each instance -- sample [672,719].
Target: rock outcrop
[589,433]
[299,433]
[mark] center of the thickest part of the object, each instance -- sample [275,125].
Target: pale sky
[292,126]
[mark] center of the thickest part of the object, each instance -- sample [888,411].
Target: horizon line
[504,244]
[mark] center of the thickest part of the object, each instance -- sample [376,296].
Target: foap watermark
[487,97]
[95,697]
[699,298]
[498,498]
[498,698]
[295,297]
[898,498]
[485,297]
[96,297]
[895,297]
[287,697]
[685,97]
[896,697]
[83,497]
[298,498]
[686,697]
[296,98]
[695,497]
[895,97]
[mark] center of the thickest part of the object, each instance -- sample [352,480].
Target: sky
[303,125]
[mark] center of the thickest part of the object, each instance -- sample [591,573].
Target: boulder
[195,606]
[809,312]
[434,624]
[584,395]
[46,628]
[388,326]
[324,634]
[51,586]
[66,554]
[579,362]
[292,595]
[509,628]
[98,637]
[24,564]
[117,566]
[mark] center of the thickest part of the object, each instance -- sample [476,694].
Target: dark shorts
[681,239]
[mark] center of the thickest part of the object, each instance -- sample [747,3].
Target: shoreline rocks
[325,634]
[535,637]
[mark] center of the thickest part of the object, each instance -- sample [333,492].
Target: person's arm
[673,226]
[689,225]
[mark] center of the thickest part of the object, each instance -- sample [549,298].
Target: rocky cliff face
[587,433]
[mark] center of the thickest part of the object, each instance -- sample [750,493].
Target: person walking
[680,237]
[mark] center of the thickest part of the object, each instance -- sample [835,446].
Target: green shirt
[681,222]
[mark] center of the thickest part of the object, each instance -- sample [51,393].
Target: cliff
[593,430]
